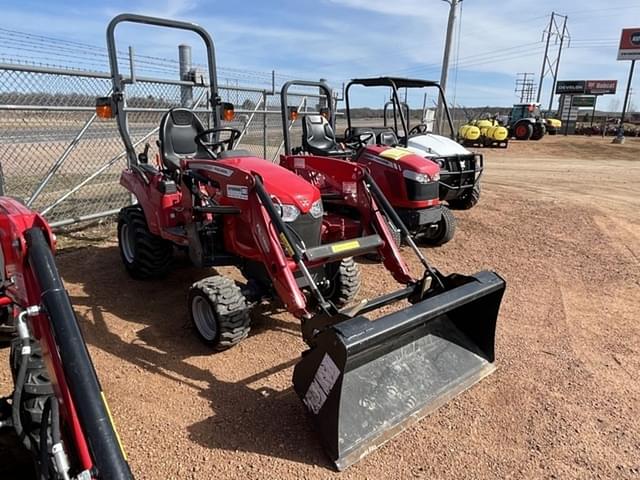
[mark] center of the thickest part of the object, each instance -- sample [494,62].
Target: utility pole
[549,64]
[627,95]
[453,6]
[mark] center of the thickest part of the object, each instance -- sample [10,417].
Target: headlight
[416,177]
[289,213]
[316,209]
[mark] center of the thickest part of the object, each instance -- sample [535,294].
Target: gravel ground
[559,219]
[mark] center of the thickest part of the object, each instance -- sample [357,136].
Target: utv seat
[318,137]
[178,130]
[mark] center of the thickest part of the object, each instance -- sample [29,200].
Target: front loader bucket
[364,381]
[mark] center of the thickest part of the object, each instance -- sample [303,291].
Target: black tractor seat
[318,137]
[178,130]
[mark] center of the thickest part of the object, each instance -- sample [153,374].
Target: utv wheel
[346,283]
[469,200]
[444,231]
[523,131]
[219,312]
[144,254]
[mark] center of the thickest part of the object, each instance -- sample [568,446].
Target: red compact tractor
[57,409]
[411,183]
[293,231]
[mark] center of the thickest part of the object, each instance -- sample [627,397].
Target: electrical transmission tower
[556,30]
[525,87]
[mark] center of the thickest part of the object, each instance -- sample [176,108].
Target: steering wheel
[419,129]
[359,140]
[214,148]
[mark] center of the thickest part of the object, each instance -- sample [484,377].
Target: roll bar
[284,105]
[119,81]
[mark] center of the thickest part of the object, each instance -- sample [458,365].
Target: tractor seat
[388,137]
[318,137]
[178,130]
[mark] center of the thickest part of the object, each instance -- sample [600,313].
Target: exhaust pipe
[364,381]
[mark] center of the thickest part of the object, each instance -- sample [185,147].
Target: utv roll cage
[396,83]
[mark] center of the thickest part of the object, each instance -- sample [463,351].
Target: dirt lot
[559,219]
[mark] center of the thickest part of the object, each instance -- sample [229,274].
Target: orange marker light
[293,114]
[104,111]
[228,114]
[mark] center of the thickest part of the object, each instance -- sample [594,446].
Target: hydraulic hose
[25,353]
[44,450]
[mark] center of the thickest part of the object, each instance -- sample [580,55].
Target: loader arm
[346,180]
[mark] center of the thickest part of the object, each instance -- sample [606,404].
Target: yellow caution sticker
[113,425]
[286,245]
[345,246]
[395,153]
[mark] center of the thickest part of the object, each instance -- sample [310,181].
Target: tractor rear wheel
[144,254]
[345,283]
[538,131]
[219,312]
[444,230]
[468,200]
[523,130]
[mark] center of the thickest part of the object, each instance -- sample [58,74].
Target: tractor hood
[431,145]
[399,158]
[289,188]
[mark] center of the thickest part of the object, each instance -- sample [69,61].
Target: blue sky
[340,39]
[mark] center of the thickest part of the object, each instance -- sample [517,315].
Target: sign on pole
[600,87]
[586,87]
[629,44]
[583,101]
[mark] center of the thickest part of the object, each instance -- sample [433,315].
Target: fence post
[264,124]
[184,58]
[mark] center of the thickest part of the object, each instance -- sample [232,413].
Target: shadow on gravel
[260,421]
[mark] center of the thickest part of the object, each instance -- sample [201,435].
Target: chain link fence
[63,161]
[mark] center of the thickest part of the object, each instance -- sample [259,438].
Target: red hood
[284,184]
[404,159]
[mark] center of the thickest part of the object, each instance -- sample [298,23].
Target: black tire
[445,230]
[144,254]
[219,312]
[523,130]
[538,131]
[468,199]
[36,390]
[346,282]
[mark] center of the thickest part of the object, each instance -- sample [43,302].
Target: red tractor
[287,231]
[57,409]
[409,181]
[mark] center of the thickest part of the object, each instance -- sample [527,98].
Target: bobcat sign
[629,44]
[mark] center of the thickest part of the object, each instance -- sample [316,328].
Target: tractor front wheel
[219,312]
[443,231]
[468,200]
[345,282]
[144,254]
